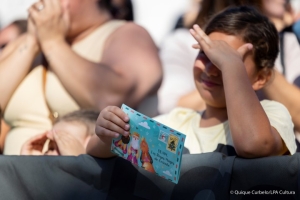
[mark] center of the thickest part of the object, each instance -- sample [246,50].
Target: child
[69,136]
[238,50]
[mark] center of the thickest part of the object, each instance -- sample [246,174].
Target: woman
[89,61]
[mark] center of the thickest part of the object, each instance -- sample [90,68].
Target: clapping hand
[50,19]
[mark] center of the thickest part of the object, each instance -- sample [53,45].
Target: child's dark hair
[86,117]
[253,28]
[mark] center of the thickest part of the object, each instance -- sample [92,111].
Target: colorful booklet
[153,146]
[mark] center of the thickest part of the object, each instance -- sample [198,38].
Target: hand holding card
[151,145]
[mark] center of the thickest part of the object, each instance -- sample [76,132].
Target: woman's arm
[130,67]
[286,93]
[116,78]
[15,62]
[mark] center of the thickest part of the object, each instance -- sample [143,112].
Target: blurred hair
[118,9]
[85,117]
[212,7]
[122,10]
[21,24]
[105,4]
[252,27]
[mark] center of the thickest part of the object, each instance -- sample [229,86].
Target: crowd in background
[52,65]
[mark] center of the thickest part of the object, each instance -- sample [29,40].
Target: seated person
[75,55]
[238,50]
[68,137]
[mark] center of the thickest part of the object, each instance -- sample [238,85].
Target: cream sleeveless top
[27,112]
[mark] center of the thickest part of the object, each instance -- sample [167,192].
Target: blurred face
[274,8]
[72,5]
[8,34]
[208,78]
[76,129]
[78,14]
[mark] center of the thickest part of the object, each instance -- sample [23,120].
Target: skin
[111,82]
[8,34]
[192,100]
[288,94]
[226,77]
[66,139]
[280,89]
[274,8]
[277,12]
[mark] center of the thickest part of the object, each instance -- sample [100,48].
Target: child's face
[208,78]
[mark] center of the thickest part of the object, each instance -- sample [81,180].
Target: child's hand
[34,146]
[218,51]
[67,144]
[111,123]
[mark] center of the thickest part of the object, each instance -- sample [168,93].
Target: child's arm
[252,134]
[111,122]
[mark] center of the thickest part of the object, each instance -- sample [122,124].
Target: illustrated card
[153,146]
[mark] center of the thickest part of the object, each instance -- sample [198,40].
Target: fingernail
[127,126]
[116,135]
[196,26]
[126,133]
[126,118]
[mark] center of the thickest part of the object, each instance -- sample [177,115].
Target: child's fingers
[202,43]
[244,49]
[39,139]
[113,126]
[202,34]
[50,135]
[103,132]
[115,116]
[119,112]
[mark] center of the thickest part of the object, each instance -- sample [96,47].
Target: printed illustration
[122,144]
[146,158]
[151,145]
[133,150]
[172,143]
[163,136]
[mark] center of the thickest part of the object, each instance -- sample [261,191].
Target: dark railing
[203,176]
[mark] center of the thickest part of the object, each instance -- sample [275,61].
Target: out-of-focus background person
[69,136]
[80,50]
[11,32]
